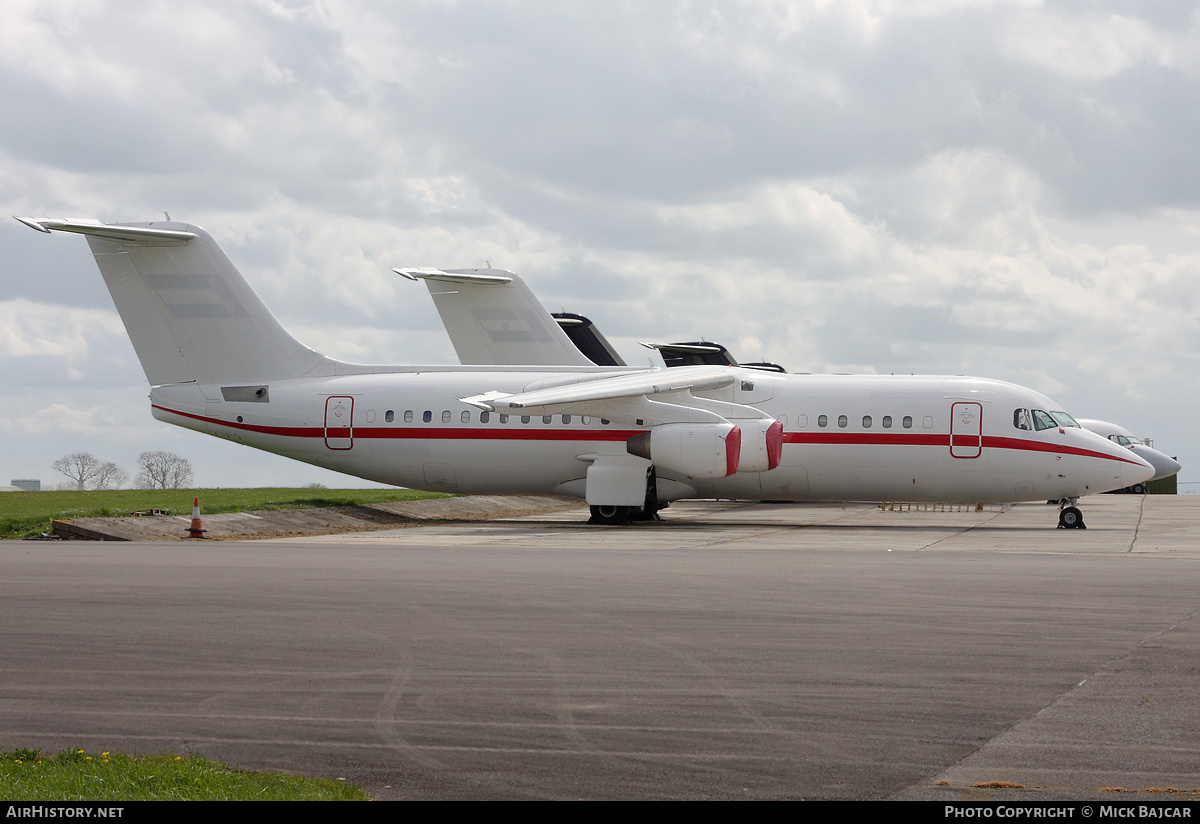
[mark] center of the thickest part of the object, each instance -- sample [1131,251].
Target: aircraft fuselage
[851,437]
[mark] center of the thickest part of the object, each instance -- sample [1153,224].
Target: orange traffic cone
[194,531]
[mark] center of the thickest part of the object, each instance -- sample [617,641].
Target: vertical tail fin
[492,317]
[190,314]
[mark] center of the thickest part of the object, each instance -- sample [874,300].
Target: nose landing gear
[1069,516]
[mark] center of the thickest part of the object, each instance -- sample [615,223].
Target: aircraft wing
[657,382]
[645,398]
[493,318]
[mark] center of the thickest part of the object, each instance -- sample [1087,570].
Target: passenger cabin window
[484,417]
[370,416]
[842,421]
[566,418]
[408,416]
[465,417]
[585,419]
[446,416]
[524,419]
[866,421]
[887,421]
[389,416]
[823,421]
[927,422]
[427,417]
[801,421]
[504,419]
[547,418]
[907,421]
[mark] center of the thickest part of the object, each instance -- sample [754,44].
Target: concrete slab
[279,523]
[730,651]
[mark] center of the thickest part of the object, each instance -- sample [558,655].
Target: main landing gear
[1069,516]
[618,515]
[610,515]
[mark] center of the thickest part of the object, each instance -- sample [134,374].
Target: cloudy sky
[1003,189]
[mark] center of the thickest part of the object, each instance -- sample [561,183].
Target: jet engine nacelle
[697,450]
[762,445]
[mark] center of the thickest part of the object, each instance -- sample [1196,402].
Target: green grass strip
[76,775]
[27,514]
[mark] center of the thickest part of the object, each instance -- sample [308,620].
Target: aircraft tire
[1070,518]
[1138,489]
[609,515]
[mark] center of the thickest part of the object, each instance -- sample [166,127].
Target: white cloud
[997,188]
[1081,47]
[32,329]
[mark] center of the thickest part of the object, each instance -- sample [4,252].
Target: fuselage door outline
[339,426]
[966,429]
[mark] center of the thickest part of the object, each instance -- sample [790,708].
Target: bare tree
[110,476]
[163,470]
[80,467]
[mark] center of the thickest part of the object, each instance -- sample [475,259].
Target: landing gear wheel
[1070,518]
[1138,489]
[609,515]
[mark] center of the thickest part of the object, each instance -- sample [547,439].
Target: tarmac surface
[733,650]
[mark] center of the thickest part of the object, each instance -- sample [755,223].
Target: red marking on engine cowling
[774,444]
[733,450]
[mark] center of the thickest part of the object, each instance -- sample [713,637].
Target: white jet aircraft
[625,439]
[1164,465]
[490,314]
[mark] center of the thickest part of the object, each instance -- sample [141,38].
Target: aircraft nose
[1135,469]
[1164,465]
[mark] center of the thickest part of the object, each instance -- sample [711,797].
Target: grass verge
[28,514]
[76,775]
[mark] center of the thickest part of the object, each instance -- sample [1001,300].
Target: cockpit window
[1021,419]
[1064,419]
[1042,420]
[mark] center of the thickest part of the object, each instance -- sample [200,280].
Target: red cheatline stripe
[943,440]
[872,438]
[509,432]
[534,432]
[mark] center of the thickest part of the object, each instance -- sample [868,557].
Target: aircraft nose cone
[1164,465]
[1136,469]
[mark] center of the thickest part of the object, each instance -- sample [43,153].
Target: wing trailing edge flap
[142,234]
[643,399]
